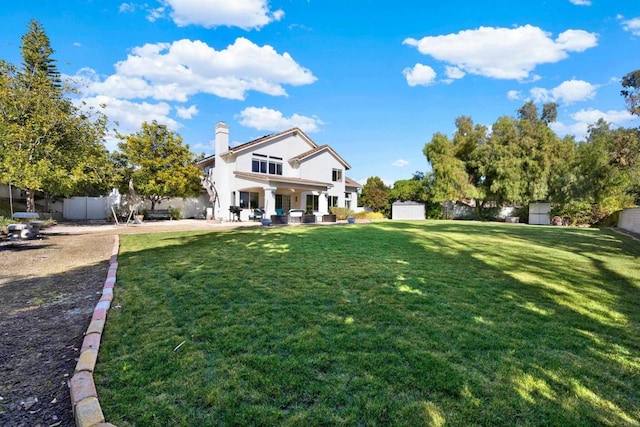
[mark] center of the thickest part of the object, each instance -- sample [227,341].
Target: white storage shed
[407,210]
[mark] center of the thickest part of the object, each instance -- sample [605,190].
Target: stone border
[84,398]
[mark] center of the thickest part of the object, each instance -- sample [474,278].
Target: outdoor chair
[257,215]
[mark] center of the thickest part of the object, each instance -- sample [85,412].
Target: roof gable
[321,149]
[271,138]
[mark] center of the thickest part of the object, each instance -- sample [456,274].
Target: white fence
[630,220]
[86,208]
[99,208]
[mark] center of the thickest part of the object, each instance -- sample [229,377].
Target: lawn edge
[84,398]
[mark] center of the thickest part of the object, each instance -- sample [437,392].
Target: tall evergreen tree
[37,55]
[46,143]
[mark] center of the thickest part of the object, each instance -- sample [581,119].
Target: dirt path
[48,290]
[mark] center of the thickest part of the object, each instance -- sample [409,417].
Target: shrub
[175,213]
[4,222]
[489,214]
[523,214]
[579,212]
[434,210]
[341,213]
[610,220]
[369,215]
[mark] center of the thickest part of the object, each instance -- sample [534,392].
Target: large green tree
[414,189]
[523,157]
[631,91]
[375,194]
[607,166]
[47,143]
[449,178]
[516,163]
[158,164]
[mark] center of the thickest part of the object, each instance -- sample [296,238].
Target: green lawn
[390,323]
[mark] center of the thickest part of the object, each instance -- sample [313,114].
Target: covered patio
[280,197]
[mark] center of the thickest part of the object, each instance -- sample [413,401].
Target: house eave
[284,181]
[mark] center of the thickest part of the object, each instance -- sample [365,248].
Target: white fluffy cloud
[175,71]
[632,25]
[503,53]
[131,114]
[186,113]
[400,163]
[584,118]
[567,92]
[272,120]
[454,72]
[419,75]
[154,79]
[514,95]
[246,14]
[581,2]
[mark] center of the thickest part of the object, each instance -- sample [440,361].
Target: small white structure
[630,220]
[276,173]
[407,210]
[539,213]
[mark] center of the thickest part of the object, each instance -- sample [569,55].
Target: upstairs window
[259,165]
[336,175]
[266,164]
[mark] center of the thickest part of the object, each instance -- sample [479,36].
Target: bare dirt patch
[48,290]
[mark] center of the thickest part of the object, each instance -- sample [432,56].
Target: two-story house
[277,173]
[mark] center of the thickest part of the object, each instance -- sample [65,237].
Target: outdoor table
[295,215]
[29,228]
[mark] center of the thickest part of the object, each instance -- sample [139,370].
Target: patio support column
[270,201]
[323,202]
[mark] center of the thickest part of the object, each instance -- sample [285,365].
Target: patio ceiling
[284,182]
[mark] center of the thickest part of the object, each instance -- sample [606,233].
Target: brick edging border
[84,398]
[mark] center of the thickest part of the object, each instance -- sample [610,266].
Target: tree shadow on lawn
[566,313]
[432,324]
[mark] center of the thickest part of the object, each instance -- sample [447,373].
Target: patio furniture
[27,229]
[295,215]
[234,213]
[16,230]
[328,218]
[279,219]
[309,219]
[257,215]
[159,214]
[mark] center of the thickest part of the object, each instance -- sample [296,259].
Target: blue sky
[375,80]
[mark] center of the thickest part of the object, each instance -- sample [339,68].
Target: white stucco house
[276,173]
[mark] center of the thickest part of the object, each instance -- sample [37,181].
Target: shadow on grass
[404,323]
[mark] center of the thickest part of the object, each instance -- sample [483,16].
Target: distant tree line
[522,160]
